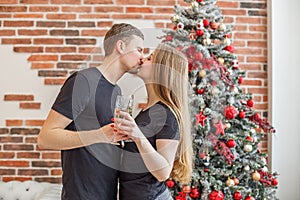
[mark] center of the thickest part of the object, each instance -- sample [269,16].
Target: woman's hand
[111,134]
[126,126]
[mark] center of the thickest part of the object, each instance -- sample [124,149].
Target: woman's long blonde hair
[170,76]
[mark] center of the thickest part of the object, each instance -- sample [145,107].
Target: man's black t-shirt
[91,172]
[136,182]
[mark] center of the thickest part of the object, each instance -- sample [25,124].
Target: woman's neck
[152,97]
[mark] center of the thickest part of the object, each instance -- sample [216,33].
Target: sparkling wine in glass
[123,103]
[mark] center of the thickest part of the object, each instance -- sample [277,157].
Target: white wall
[285,106]
[17,78]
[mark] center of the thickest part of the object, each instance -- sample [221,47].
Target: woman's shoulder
[161,111]
[166,108]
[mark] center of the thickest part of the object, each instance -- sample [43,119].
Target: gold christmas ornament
[230,182]
[222,27]
[256,176]
[202,73]
[221,60]
[175,18]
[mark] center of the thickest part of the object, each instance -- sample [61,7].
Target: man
[79,122]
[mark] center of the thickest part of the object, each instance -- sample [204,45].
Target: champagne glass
[123,103]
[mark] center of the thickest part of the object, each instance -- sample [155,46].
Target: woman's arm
[159,162]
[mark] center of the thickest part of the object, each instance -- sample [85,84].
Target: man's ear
[120,46]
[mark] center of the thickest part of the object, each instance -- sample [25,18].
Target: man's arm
[54,136]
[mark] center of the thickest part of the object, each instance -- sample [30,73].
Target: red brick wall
[61,35]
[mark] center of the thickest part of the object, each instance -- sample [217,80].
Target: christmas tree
[229,163]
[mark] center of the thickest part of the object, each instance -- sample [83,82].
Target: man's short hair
[117,32]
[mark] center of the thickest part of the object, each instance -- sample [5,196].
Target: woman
[160,132]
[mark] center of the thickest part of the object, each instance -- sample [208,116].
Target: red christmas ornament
[200,91]
[249,138]
[250,103]
[199,1]
[186,189]
[195,193]
[169,38]
[249,198]
[170,183]
[231,143]
[181,196]
[199,32]
[241,80]
[274,181]
[230,112]
[216,195]
[237,196]
[257,116]
[229,48]
[242,114]
[206,22]
[190,65]
[206,169]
